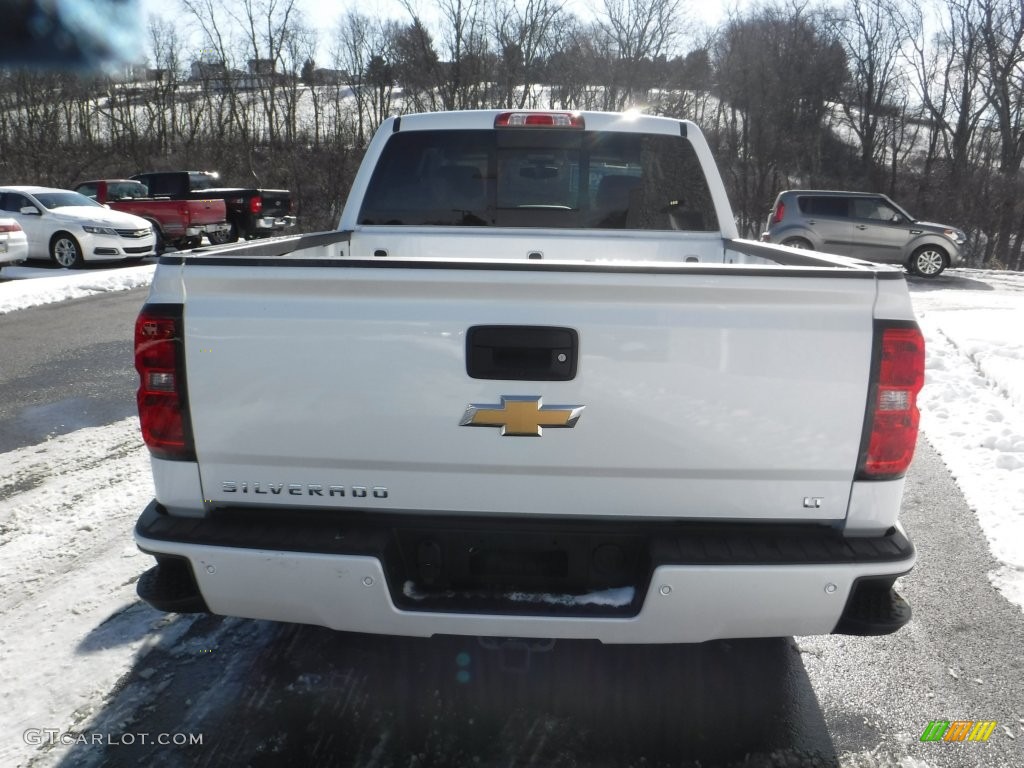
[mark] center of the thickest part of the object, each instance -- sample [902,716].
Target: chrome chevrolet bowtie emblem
[521,416]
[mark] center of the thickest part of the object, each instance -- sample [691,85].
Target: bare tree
[872,42]
[525,36]
[365,50]
[353,48]
[300,44]
[778,70]
[418,67]
[32,125]
[580,67]
[689,81]
[220,88]
[1002,35]
[162,107]
[947,70]
[381,74]
[464,43]
[267,25]
[638,31]
[970,77]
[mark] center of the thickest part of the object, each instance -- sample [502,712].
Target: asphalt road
[67,366]
[265,694]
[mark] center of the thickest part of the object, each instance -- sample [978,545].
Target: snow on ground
[972,405]
[72,623]
[32,286]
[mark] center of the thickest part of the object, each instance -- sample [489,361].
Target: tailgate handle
[521,352]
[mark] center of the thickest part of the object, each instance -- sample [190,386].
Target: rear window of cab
[539,178]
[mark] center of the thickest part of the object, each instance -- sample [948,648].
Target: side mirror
[29,210]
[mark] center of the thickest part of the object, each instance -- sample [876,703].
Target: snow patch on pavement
[34,287]
[73,625]
[972,406]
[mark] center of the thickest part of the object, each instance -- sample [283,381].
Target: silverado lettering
[358,492]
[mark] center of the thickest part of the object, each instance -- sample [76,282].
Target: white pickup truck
[534,386]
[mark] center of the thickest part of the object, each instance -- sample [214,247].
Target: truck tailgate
[276,202]
[697,395]
[207,211]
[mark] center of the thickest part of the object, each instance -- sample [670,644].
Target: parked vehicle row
[181,207]
[181,223]
[864,225]
[107,219]
[250,212]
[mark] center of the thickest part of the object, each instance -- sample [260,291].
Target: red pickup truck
[181,223]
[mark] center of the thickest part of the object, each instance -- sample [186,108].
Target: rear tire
[928,261]
[798,242]
[65,251]
[222,238]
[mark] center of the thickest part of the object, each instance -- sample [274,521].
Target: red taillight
[255,204]
[539,119]
[893,416]
[160,363]
[10,226]
[780,211]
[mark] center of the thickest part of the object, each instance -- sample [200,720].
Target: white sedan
[72,229]
[13,243]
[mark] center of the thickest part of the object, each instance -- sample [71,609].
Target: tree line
[923,103]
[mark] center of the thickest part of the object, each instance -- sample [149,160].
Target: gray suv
[865,225]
